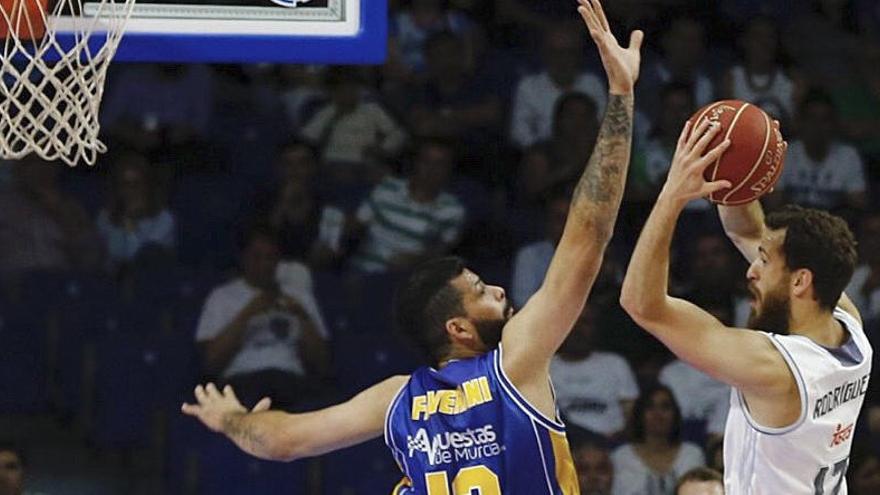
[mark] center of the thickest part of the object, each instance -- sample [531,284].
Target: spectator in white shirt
[136,216]
[759,78]
[654,459]
[595,390]
[821,171]
[355,135]
[535,98]
[532,260]
[262,333]
[405,221]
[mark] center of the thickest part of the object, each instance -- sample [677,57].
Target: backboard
[242,31]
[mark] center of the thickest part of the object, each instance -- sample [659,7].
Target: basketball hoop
[52,73]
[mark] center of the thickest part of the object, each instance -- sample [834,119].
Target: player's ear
[459,329]
[801,281]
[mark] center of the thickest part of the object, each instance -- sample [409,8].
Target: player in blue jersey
[483,416]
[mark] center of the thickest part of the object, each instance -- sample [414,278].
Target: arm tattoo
[600,188]
[242,433]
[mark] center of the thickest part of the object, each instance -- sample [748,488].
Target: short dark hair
[15,448]
[637,421]
[698,474]
[424,302]
[820,242]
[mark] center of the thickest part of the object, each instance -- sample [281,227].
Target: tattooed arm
[532,336]
[281,436]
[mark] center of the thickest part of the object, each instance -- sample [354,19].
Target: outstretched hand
[621,64]
[214,405]
[685,180]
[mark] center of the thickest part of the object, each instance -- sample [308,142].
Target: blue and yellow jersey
[466,427]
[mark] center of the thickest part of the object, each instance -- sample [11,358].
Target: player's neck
[817,324]
[458,353]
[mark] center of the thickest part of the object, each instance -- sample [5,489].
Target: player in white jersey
[798,383]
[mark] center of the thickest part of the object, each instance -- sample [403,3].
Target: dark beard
[774,315]
[490,330]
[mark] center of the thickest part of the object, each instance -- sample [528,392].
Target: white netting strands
[51,82]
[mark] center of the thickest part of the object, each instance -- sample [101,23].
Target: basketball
[754,160]
[23,18]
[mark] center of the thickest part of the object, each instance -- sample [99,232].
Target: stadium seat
[361,360]
[24,375]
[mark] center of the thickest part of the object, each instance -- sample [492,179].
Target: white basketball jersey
[809,457]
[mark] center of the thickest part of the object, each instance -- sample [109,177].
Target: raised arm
[281,436]
[536,332]
[744,359]
[744,226]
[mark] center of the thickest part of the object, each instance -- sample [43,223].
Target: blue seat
[24,376]
[372,308]
[207,209]
[365,469]
[175,371]
[52,290]
[182,446]
[124,390]
[361,360]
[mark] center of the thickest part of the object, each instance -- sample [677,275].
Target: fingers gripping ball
[754,160]
[23,19]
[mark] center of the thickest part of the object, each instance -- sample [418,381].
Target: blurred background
[125,284]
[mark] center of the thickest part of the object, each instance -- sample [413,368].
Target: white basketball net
[51,87]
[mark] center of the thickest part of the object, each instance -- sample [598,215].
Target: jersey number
[467,480]
[839,471]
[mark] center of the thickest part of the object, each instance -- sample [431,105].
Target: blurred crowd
[250,222]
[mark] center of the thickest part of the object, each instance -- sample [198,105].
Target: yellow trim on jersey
[404,483]
[566,475]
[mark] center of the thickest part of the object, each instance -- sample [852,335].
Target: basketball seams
[702,114]
[758,161]
[727,134]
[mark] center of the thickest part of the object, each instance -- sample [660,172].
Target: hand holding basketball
[686,180]
[756,156]
[621,64]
